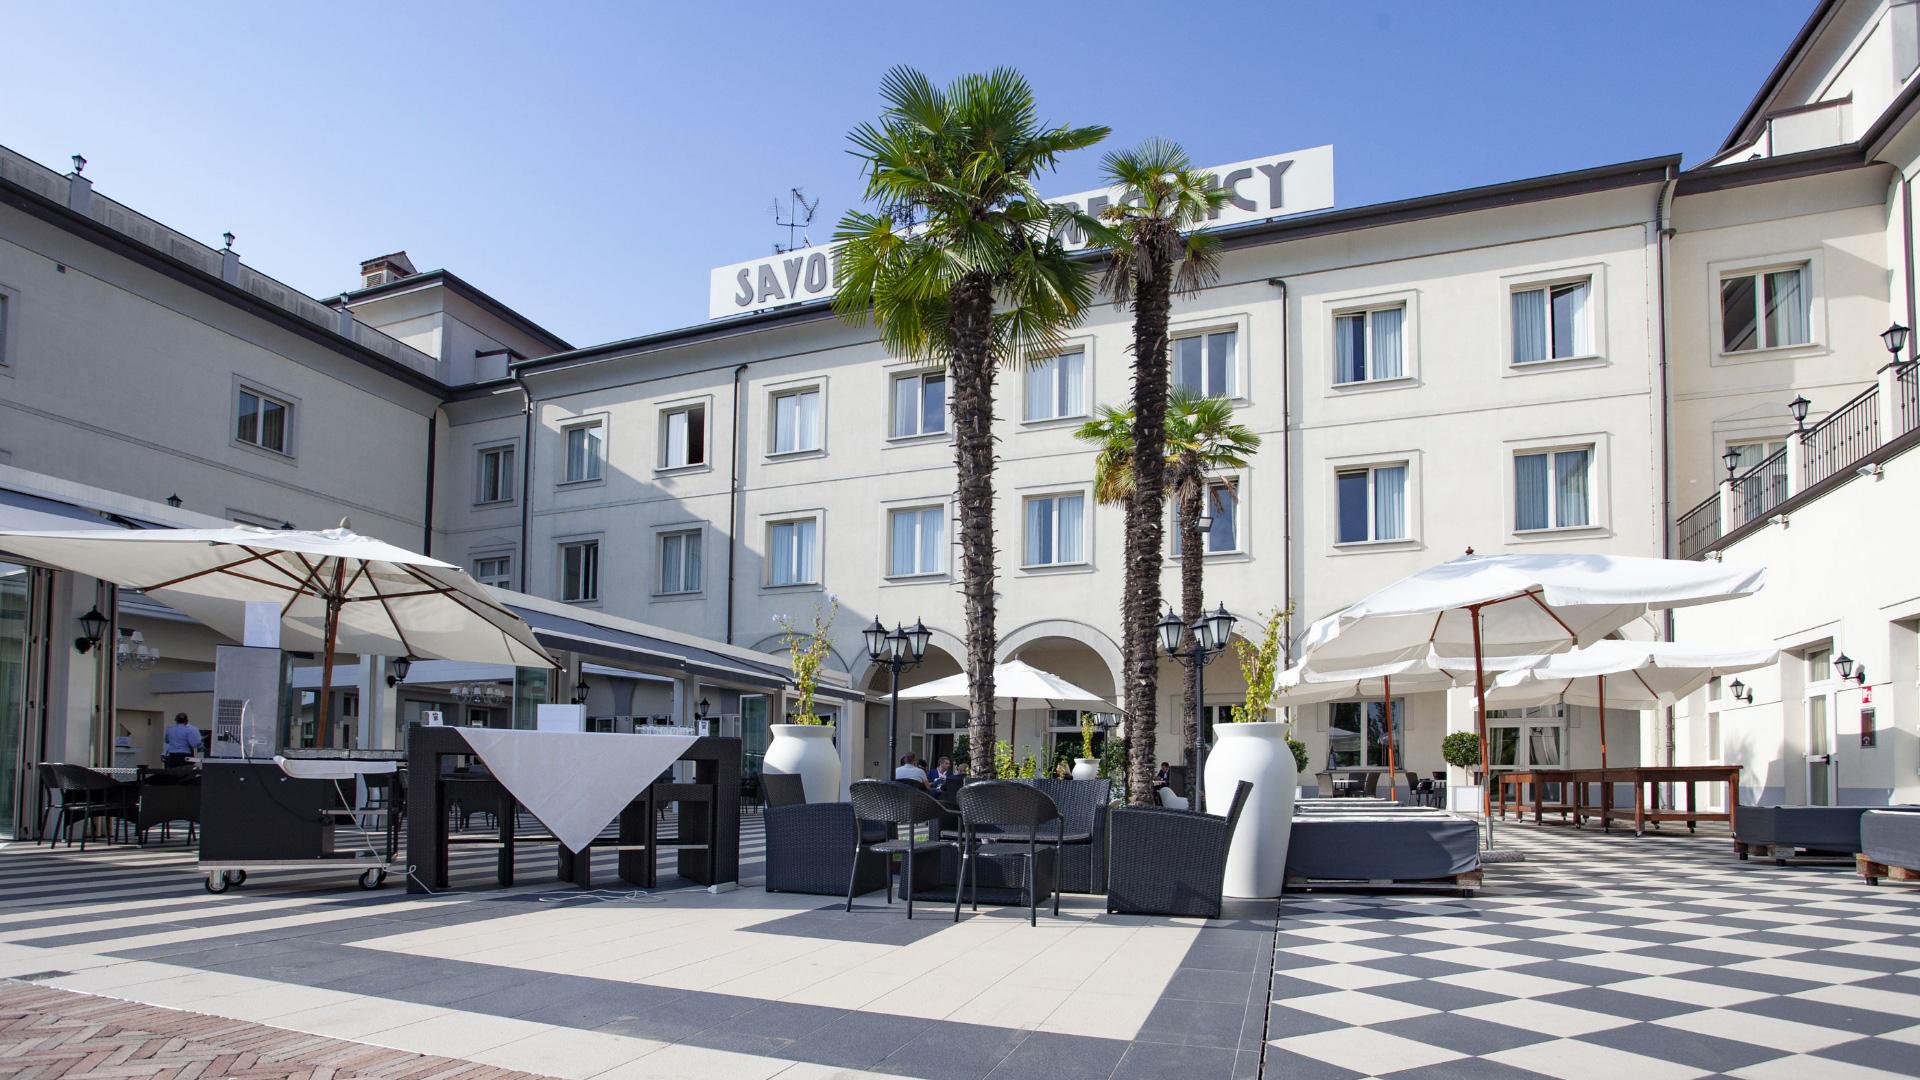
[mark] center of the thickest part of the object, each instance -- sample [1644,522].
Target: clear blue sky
[587,163]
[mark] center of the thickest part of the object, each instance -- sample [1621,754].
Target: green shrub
[1462,749]
[1299,753]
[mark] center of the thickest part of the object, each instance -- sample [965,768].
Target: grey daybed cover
[1816,828]
[1382,847]
[1891,837]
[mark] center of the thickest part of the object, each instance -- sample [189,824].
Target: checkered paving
[1604,956]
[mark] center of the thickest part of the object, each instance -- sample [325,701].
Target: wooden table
[1575,803]
[709,842]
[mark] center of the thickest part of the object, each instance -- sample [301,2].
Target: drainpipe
[526,474]
[1662,239]
[1906,215]
[1286,451]
[433,424]
[733,496]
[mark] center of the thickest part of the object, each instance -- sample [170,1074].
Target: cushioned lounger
[1832,831]
[1382,847]
[1891,838]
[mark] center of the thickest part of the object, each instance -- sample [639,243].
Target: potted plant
[1087,765]
[1263,752]
[804,745]
[1461,749]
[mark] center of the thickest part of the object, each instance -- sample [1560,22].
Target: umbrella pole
[1602,681]
[1480,700]
[1393,790]
[326,674]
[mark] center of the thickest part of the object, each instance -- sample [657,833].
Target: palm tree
[1156,254]
[959,263]
[1201,438]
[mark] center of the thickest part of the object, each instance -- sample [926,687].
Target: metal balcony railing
[1849,434]
[1699,529]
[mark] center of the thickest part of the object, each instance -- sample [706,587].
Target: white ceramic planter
[806,751]
[1086,768]
[1258,753]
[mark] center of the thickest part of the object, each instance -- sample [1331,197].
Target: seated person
[910,771]
[942,775]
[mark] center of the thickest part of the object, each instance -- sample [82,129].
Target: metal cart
[299,813]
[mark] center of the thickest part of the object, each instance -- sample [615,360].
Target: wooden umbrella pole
[332,631]
[1480,702]
[1602,681]
[1393,789]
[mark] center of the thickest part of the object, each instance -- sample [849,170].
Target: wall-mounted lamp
[700,711]
[401,665]
[580,691]
[1895,338]
[92,625]
[1845,665]
[174,500]
[1798,407]
[1731,459]
[1741,692]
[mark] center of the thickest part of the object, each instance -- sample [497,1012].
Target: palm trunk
[1192,488]
[1146,531]
[972,310]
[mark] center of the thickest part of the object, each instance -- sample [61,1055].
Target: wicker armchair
[167,796]
[1004,820]
[1170,862]
[810,846]
[1083,852]
[907,807]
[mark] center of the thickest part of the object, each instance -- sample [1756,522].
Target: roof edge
[1780,69]
[465,288]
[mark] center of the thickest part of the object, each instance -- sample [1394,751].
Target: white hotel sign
[1268,187]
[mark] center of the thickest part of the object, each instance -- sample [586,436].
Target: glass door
[1822,783]
[15,600]
[753,733]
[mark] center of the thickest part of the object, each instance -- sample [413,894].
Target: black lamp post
[1210,635]
[1731,459]
[901,649]
[1798,407]
[1895,338]
[401,665]
[92,625]
[580,691]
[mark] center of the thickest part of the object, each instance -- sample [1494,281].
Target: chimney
[386,268]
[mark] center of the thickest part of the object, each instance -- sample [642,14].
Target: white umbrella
[1630,674]
[337,590]
[1510,606]
[1298,686]
[1013,682]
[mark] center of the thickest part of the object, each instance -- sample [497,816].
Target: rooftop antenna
[799,217]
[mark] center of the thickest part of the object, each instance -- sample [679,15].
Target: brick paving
[46,1032]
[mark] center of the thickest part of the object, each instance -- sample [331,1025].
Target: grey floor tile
[1048,1055]
[1663,1043]
[1285,1023]
[1159,1061]
[946,1051]
[857,1040]
[1278,1064]
[1467,1069]
[1460,1033]
[1245,958]
[1886,1054]
[1435,995]
[1203,984]
[1193,1023]
[1618,1003]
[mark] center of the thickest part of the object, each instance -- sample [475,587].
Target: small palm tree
[1155,255]
[959,262]
[1202,438]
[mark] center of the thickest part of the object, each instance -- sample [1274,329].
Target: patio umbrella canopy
[336,590]
[1297,686]
[1013,682]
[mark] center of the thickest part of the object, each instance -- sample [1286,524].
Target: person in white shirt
[910,771]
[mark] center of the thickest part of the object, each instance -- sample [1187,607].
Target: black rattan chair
[1170,862]
[1083,805]
[908,807]
[810,845]
[1007,814]
[86,795]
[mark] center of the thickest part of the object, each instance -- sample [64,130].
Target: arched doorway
[928,729]
[1074,652]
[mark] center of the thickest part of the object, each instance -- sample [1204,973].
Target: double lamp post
[1211,632]
[900,649]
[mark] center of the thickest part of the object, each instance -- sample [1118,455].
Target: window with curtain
[1357,733]
[1553,322]
[1551,489]
[792,552]
[679,562]
[1762,491]
[1056,387]
[1372,504]
[585,449]
[262,421]
[1367,345]
[916,541]
[1223,514]
[1767,309]
[796,421]
[919,404]
[683,437]
[1055,530]
[496,475]
[580,571]
[1207,363]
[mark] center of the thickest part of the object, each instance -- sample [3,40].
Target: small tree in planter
[1461,749]
[1263,752]
[804,747]
[810,647]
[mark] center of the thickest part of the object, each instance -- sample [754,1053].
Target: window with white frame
[916,541]
[683,436]
[919,404]
[793,552]
[586,450]
[1056,387]
[1367,345]
[1552,489]
[5,311]
[1766,309]
[1055,530]
[580,571]
[262,420]
[679,560]
[1207,363]
[1553,322]
[495,482]
[494,570]
[796,421]
[1372,504]
[1222,514]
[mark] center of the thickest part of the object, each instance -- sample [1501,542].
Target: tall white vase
[1086,768]
[806,751]
[1259,754]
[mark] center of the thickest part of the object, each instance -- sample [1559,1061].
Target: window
[586,447]
[793,553]
[4,301]
[580,571]
[1056,388]
[1769,309]
[1222,510]
[1553,322]
[1550,490]
[494,570]
[1056,530]
[496,475]
[680,561]
[796,421]
[919,404]
[916,541]
[1206,363]
[262,421]
[1757,493]
[1367,347]
[1357,733]
[1820,664]
[683,437]
[1372,504]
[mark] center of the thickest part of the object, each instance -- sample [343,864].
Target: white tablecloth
[575,782]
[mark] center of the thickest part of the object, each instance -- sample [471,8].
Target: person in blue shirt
[182,739]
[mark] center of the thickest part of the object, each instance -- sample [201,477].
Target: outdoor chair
[1083,806]
[810,845]
[166,796]
[85,796]
[1012,817]
[1170,862]
[893,803]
